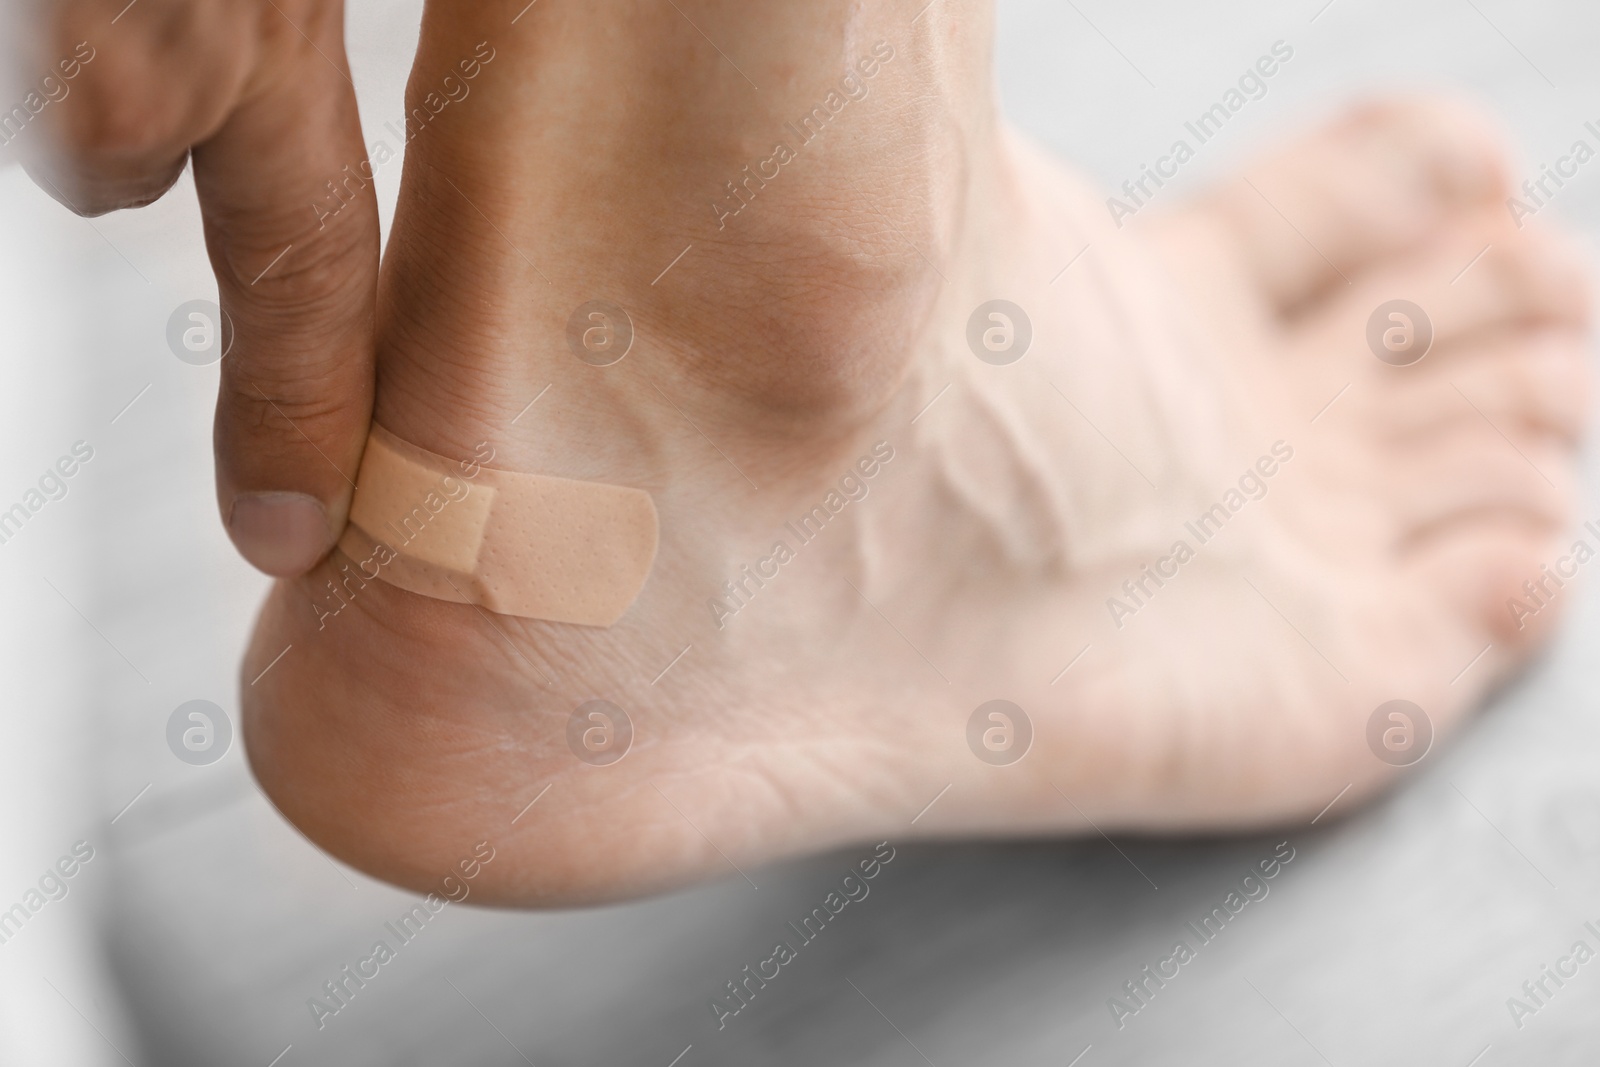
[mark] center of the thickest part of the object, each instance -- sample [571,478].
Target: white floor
[204,922]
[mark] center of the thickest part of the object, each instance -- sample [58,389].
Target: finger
[292,228]
[122,91]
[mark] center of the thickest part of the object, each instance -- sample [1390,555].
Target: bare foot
[1353,529]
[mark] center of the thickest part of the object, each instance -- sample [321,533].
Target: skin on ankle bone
[789,305]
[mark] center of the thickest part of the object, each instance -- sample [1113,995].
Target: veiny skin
[823,320]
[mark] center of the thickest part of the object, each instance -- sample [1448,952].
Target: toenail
[281,534]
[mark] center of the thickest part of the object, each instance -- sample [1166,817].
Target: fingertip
[279,533]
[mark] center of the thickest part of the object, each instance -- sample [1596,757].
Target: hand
[119,96]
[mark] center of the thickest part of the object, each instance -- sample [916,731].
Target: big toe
[1372,184]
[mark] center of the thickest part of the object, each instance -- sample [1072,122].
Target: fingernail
[283,534]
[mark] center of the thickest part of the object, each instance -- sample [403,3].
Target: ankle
[784,246]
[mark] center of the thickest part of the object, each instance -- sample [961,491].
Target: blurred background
[203,923]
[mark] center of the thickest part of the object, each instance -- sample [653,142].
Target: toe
[1533,276]
[1497,582]
[1526,382]
[1364,188]
[1476,474]
[1483,277]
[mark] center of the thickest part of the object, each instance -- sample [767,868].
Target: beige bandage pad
[517,544]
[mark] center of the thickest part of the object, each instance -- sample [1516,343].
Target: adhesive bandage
[517,544]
